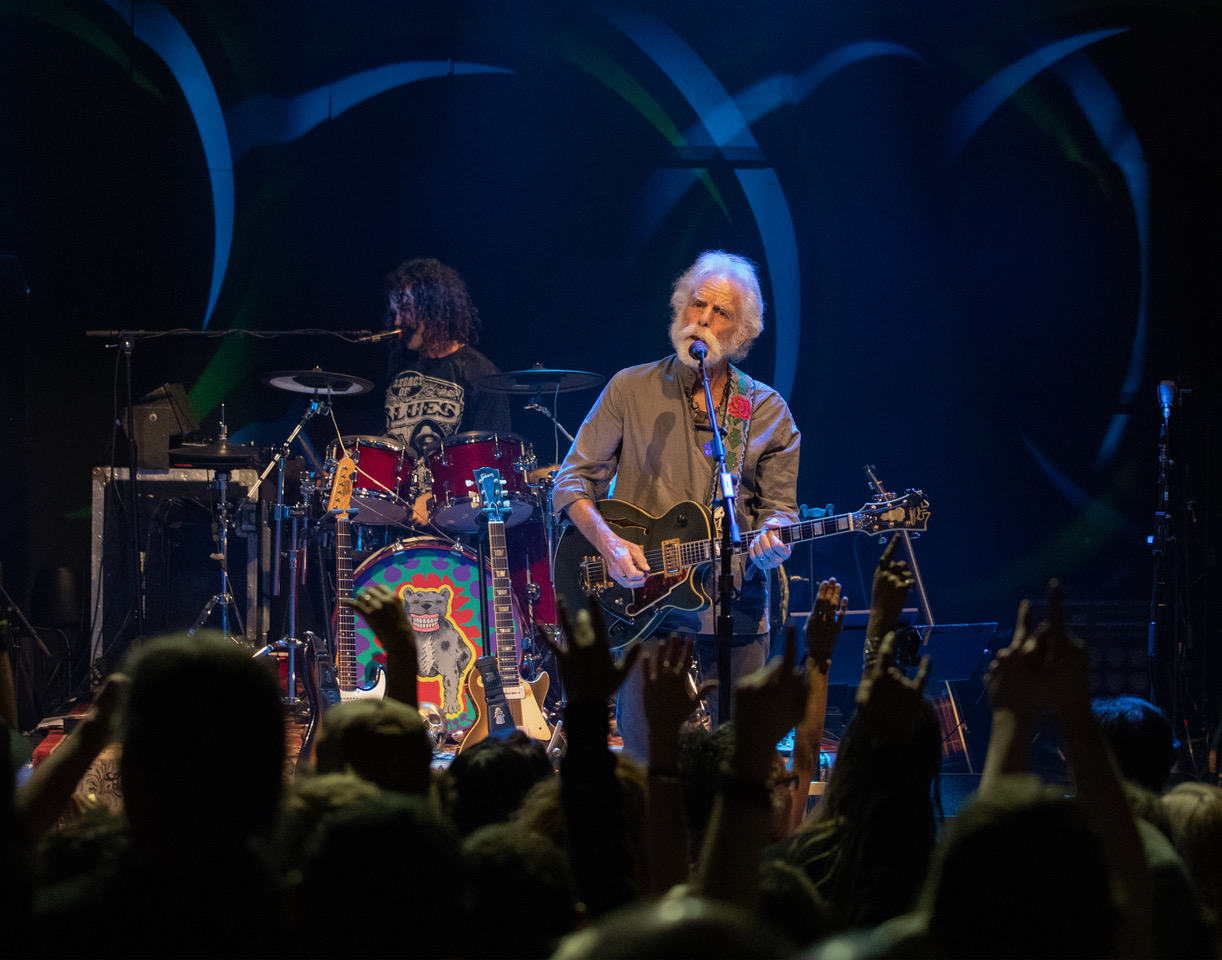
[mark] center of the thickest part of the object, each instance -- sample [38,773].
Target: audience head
[507,867]
[383,869]
[1021,874]
[383,741]
[203,746]
[1140,736]
[491,778]
[308,801]
[675,927]
[1195,814]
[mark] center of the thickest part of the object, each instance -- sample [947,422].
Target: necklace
[699,416]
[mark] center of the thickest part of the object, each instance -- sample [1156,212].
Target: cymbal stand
[537,406]
[225,598]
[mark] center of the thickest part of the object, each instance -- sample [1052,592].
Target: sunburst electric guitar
[504,702]
[351,686]
[679,546]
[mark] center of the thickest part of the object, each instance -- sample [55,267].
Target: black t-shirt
[430,399]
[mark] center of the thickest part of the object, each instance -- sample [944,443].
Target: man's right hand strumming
[625,560]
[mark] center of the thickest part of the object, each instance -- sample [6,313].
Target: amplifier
[179,556]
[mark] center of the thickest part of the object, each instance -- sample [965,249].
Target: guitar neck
[345,627]
[502,611]
[676,555]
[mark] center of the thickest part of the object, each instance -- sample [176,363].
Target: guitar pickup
[671,560]
[594,575]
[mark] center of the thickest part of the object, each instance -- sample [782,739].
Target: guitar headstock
[910,511]
[493,502]
[341,486]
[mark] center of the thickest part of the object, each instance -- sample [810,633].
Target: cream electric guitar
[350,684]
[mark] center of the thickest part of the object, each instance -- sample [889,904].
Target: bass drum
[439,586]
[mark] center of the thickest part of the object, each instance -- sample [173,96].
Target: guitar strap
[737,426]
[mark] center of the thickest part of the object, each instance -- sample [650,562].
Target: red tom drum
[382,488]
[453,467]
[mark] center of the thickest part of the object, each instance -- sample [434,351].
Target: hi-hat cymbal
[219,453]
[539,380]
[317,381]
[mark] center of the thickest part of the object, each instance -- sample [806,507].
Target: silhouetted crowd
[707,850]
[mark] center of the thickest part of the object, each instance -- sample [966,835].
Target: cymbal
[219,453]
[317,381]
[539,380]
[540,475]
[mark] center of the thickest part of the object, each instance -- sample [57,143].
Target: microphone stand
[731,537]
[1158,542]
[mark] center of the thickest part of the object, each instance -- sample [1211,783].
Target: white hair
[738,270]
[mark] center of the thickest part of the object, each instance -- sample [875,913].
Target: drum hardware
[225,598]
[322,387]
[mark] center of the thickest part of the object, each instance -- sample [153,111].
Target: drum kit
[441,565]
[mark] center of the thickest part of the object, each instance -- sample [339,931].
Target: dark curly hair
[437,297]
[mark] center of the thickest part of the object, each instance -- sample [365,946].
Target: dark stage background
[986,233]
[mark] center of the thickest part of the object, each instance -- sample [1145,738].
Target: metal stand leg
[225,598]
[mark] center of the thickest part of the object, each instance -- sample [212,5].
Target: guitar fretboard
[502,613]
[345,627]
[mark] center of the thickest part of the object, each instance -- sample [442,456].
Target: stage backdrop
[986,233]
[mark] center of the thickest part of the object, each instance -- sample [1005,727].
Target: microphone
[374,337]
[1166,397]
[698,350]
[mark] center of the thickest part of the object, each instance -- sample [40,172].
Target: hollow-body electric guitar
[350,686]
[679,546]
[504,702]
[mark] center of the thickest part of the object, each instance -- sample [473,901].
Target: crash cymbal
[219,453]
[539,380]
[317,381]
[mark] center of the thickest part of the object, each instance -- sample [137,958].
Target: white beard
[681,338]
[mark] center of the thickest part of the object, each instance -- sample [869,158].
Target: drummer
[434,366]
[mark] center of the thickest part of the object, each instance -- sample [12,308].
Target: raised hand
[767,705]
[587,666]
[100,724]
[888,699]
[824,625]
[1065,658]
[668,695]
[1045,668]
[386,616]
[892,581]
[1012,682]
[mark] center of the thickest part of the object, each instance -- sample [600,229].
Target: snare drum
[453,468]
[382,486]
